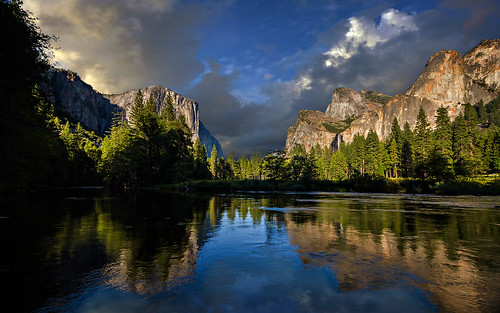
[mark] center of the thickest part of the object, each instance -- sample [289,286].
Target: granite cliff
[81,103]
[315,127]
[182,106]
[448,79]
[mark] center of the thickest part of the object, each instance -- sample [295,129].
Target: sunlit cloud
[363,32]
[120,45]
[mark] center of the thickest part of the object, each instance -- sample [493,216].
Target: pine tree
[231,161]
[338,166]
[357,154]
[213,162]
[168,113]
[244,167]
[200,158]
[407,151]
[461,157]
[422,144]
[441,159]
[372,157]
[471,122]
[394,158]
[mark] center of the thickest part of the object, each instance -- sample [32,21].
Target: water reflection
[83,251]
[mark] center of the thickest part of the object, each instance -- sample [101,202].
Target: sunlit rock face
[182,106]
[347,103]
[314,127]
[310,129]
[80,102]
[447,80]
[482,64]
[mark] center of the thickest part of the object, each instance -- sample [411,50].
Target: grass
[481,185]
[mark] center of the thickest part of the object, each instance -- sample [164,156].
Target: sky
[252,65]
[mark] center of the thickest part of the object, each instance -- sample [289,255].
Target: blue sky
[252,65]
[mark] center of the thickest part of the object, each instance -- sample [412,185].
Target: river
[82,250]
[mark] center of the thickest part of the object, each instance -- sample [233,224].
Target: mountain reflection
[150,244]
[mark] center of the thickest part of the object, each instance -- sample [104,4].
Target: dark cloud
[116,46]
[389,66]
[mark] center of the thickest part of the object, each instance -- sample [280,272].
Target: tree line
[466,147]
[153,146]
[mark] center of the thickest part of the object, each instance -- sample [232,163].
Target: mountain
[182,106]
[448,79]
[315,127]
[81,103]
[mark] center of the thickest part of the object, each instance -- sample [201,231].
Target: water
[81,250]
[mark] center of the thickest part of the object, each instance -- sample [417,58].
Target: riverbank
[484,185]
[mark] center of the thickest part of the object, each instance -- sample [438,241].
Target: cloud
[116,46]
[247,105]
[364,33]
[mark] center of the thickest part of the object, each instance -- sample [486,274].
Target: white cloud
[363,32]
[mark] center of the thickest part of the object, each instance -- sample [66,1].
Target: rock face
[80,102]
[182,106]
[310,128]
[314,127]
[447,80]
[481,64]
[348,103]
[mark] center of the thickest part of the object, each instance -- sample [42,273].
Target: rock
[311,127]
[348,103]
[314,127]
[483,66]
[182,106]
[447,80]
[80,102]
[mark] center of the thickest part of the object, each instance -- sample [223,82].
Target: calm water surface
[83,251]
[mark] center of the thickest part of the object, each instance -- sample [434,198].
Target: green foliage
[213,162]
[31,150]
[273,167]
[150,149]
[338,127]
[168,113]
[422,144]
[383,99]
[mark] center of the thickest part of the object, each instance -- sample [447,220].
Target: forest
[42,148]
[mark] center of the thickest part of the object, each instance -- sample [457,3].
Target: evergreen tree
[213,162]
[31,149]
[116,158]
[168,113]
[273,166]
[384,166]
[200,159]
[407,151]
[394,160]
[395,136]
[231,161]
[372,158]
[357,154]
[338,166]
[472,123]
[422,144]
[461,157]
[245,171]
[441,159]
[256,165]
